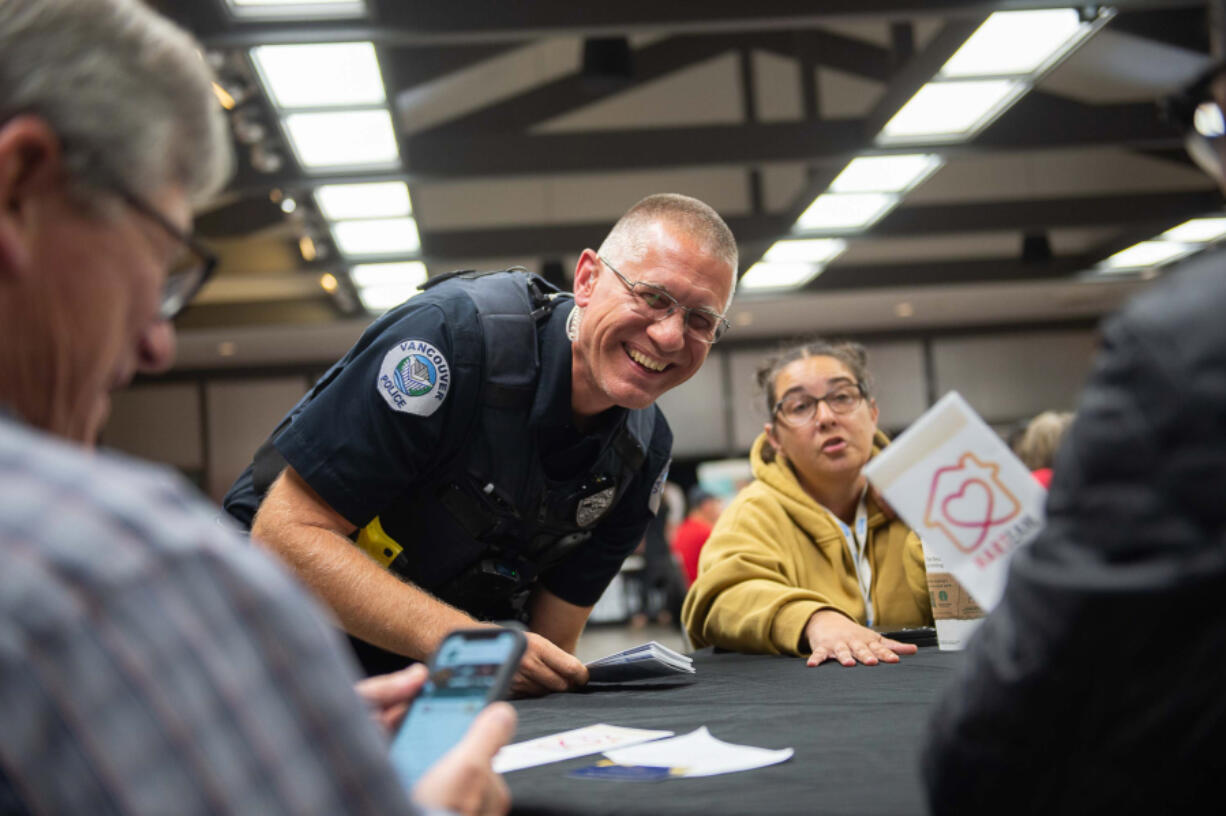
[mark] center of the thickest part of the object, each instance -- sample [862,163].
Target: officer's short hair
[127,92]
[626,240]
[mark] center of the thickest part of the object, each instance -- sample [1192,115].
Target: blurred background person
[1037,444]
[692,533]
[804,560]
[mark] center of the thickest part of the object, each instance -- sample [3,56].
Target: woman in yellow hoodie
[804,561]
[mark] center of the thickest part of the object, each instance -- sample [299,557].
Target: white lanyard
[857,546]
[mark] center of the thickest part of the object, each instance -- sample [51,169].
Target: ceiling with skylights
[852,146]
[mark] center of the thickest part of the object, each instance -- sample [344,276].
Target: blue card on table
[623,773]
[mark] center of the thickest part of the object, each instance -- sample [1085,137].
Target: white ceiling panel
[844,96]
[1115,67]
[1054,174]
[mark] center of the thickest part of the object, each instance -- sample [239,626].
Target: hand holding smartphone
[470,669]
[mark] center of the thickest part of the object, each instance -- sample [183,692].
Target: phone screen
[469,670]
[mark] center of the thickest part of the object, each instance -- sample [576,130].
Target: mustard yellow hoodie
[776,556]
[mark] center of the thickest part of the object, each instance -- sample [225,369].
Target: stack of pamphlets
[641,662]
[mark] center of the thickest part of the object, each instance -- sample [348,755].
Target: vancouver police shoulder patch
[414,378]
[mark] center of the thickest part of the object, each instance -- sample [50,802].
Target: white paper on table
[699,754]
[591,739]
[961,489]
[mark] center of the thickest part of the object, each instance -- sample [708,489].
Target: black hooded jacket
[1099,682]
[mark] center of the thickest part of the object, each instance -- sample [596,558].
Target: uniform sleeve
[397,409]
[742,599]
[583,576]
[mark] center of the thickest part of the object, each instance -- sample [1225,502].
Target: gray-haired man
[149,662]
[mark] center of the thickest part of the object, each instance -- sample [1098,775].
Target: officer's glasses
[1196,112]
[193,264]
[799,408]
[656,303]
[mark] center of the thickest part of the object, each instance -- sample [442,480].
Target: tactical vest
[490,521]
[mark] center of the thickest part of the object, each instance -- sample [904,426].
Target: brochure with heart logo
[971,501]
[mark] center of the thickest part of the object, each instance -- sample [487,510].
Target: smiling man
[492,445]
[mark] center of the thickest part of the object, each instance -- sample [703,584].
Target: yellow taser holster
[375,542]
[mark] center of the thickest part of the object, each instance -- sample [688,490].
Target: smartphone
[472,668]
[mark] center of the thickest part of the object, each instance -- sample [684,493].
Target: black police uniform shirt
[360,445]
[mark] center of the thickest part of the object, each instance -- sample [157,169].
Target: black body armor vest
[489,522]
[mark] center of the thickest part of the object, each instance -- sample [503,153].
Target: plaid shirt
[151,663]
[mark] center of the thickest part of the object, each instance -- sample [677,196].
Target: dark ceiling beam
[659,59]
[430,157]
[904,222]
[573,91]
[1183,28]
[560,239]
[1090,211]
[940,273]
[827,49]
[476,154]
[438,23]
[407,67]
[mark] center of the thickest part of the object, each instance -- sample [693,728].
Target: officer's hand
[389,695]
[463,780]
[832,634]
[546,668]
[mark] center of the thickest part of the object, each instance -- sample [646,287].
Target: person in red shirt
[693,532]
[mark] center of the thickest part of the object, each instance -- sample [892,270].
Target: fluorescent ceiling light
[1147,253]
[845,211]
[381,199]
[885,174]
[381,298]
[951,111]
[402,273]
[1197,231]
[1014,43]
[320,75]
[296,9]
[772,275]
[343,139]
[805,250]
[377,236]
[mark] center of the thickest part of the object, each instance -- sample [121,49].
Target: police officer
[492,445]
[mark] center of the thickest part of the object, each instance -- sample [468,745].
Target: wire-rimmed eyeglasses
[192,268]
[799,408]
[656,302]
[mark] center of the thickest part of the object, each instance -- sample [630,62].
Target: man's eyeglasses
[799,408]
[193,265]
[656,303]
[1195,111]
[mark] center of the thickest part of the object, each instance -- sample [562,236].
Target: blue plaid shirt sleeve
[152,663]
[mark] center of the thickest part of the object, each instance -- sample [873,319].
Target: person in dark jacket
[1097,683]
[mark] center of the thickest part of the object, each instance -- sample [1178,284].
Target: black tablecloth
[856,733]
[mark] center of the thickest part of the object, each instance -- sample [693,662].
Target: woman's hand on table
[832,634]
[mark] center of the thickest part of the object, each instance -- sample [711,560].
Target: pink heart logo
[962,515]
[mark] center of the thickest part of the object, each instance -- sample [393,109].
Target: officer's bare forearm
[560,621]
[368,601]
